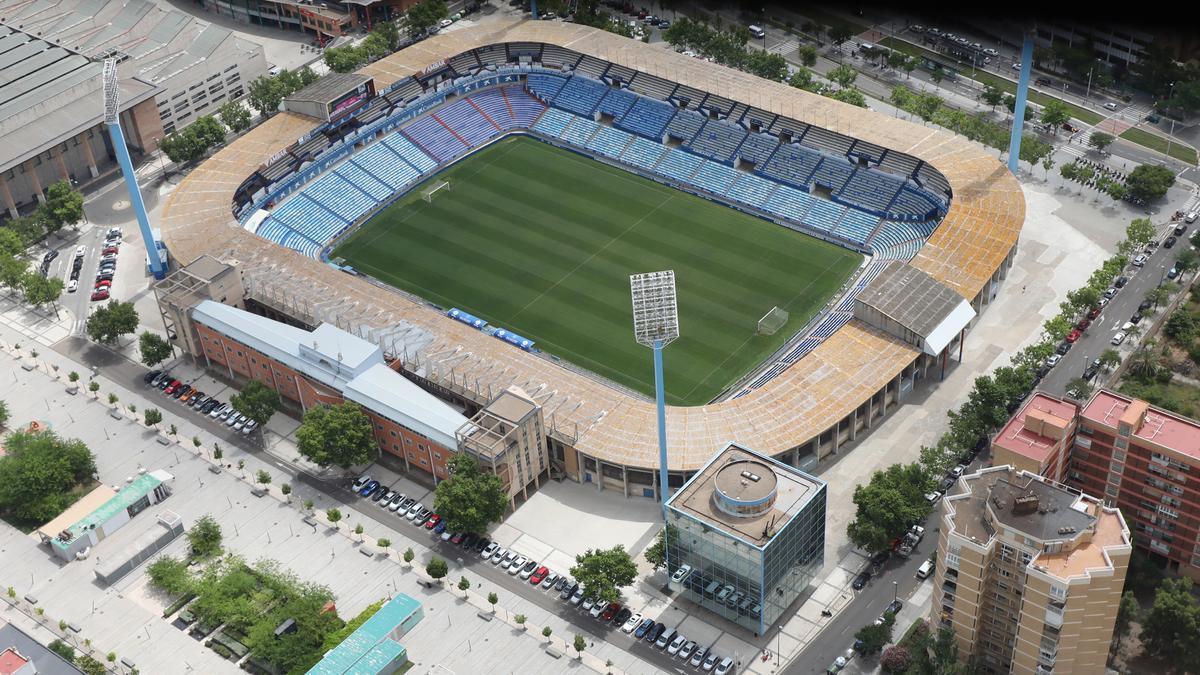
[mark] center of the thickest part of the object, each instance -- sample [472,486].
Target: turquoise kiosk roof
[370,649]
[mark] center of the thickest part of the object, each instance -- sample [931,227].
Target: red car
[100,294]
[172,387]
[110,249]
[1083,324]
[1073,335]
[538,574]
[1094,313]
[433,521]
[610,611]
[103,283]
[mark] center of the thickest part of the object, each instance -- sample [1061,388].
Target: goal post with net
[428,193]
[772,321]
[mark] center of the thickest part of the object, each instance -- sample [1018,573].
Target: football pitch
[541,241]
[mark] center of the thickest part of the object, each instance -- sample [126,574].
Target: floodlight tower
[656,325]
[112,118]
[1014,140]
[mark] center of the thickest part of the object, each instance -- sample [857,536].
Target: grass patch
[1179,150]
[541,241]
[983,77]
[819,15]
[1177,397]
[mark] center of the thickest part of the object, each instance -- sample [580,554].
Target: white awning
[948,327]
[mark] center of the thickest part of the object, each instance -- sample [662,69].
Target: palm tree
[1159,296]
[1144,362]
[1109,359]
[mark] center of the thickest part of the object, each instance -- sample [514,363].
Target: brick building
[1038,437]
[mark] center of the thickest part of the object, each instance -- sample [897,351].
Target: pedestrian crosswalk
[1136,112]
[786,47]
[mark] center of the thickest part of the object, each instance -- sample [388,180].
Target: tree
[1057,327]
[1144,363]
[546,631]
[343,59]
[154,348]
[205,537]
[1150,182]
[843,76]
[37,473]
[1033,149]
[436,568]
[656,553]
[1181,326]
[464,584]
[423,16]
[888,505]
[1127,613]
[256,401]
[1100,140]
[333,515]
[66,651]
[1187,260]
[409,555]
[152,416]
[63,207]
[874,636]
[89,665]
[801,78]
[945,655]
[852,96]
[184,146]
[1047,164]
[940,457]
[264,94]
[3,414]
[263,477]
[1171,629]
[286,489]
[470,499]
[937,74]
[895,659]
[492,600]
[39,290]
[580,645]
[1079,388]
[234,115]
[383,543]
[1141,231]
[336,434]
[991,95]
[603,573]
[839,34]
[171,575]
[10,242]
[29,228]
[1056,114]
[1109,359]
[1084,298]
[107,324]
[807,55]
[927,106]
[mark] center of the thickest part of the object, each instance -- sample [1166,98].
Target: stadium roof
[973,241]
[329,88]
[49,93]
[921,304]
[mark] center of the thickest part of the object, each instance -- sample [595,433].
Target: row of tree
[41,475]
[383,40]
[63,208]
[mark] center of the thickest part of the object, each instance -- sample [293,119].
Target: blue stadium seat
[679,165]
[714,177]
[792,164]
[385,164]
[648,118]
[823,215]
[856,226]
[617,102]
[870,190]
[610,142]
[790,203]
[717,140]
[833,173]
[525,108]
[758,148]
[353,174]
[418,158]
[434,138]
[580,95]
[579,132]
[643,153]
[553,122]
[912,204]
[752,190]
[544,85]
[466,123]
[493,104]
[685,125]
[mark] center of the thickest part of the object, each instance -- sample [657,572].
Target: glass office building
[746,536]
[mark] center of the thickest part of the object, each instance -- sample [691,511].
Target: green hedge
[178,604]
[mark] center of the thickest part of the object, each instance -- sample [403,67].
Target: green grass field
[542,241]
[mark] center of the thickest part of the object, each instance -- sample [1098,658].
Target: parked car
[861,580]
[710,661]
[676,644]
[1110,105]
[568,590]
[440,529]
[1118,338]
[577,595]
[181,391]
[517,563]
[526,571]
[681,573]
[640,631]
[686,650]
[548,580]
[101,294]
[610,611]
[892,608]
[656,632]
[489,551]
[1190,217]
[1073,336]
[1095,312]
[433,522]
[1083,324]
[631,624]
[1180,229]
[1172,273]
[724,667]
[370,487]
[621,617]
[1170,242]
[698,656]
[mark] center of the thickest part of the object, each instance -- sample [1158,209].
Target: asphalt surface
[1119,310]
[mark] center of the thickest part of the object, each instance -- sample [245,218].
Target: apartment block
[1038,437]
[1146,461]
[508,437]
[1029,573]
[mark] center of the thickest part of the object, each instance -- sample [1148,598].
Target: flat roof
[46,661]
[793,488]
[369,648]
[329,88]
[918,302]
[78,511]
[1015,438]
[1160,427]
[392,395]
[131,493]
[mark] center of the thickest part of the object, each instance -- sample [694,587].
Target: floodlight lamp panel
[112,92]
[655,314]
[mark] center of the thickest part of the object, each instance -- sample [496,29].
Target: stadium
[477,212]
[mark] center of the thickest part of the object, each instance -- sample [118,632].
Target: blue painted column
[1014,142]
[659,399]
[135,199]
[533,8]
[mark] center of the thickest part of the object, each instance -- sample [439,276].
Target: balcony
[1054,616]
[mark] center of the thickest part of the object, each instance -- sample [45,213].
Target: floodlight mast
[656,325]
[112,118]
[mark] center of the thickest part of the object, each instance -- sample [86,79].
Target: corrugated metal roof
[392,395]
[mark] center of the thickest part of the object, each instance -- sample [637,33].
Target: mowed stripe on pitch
[542,241]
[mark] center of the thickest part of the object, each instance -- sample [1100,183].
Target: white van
[925,569]
[757,32]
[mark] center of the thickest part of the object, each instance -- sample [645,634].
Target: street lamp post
[1087,96]
[895,590]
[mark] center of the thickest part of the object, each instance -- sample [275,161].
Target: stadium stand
[688,97]
[494,103]
[553,122]
[833,172]
[356,176]
[579,132]
[592,67]
[466,123]
[648,118]
[934,182]
[525,108]
[715,178]
[827,141]
[892,233]
[790,203]
[870,190]
[868,151]
[643,154]
[410,153]
[752,190]
[464,64]
[685,125]
[718,104]
[756,117]
[856,226]
[654,87]
[823,215]
[792,164]
[735,115]
[610,142]
[900,164]
[580,95]
[913,205]
[617,102]
[679,165]
[617,73]
[385,166]
[493,55]
[545,86]
[796,130]
[434,138]
[718,140]
[554,56]
[758,148]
